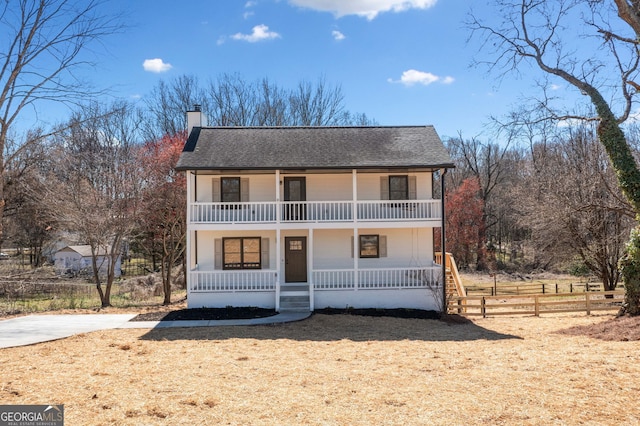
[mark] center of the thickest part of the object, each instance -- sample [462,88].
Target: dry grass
[334,370]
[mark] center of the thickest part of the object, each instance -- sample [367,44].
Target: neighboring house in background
[75,260]
[299,218]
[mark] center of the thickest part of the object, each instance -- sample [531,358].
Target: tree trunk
[630,270]
[615,143]
[106,300]
[166,279]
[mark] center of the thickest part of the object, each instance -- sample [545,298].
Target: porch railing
[232,281]
[323,279]
[314,211]
[386,278]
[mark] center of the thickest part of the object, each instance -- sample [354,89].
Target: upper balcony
[314,212]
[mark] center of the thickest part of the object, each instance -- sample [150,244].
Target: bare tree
[43,43]
[100,197]
[489,164]
[28,222]
[319,105]
[573,206]
[601,63]
[231,100]
[167,104]
[164,224]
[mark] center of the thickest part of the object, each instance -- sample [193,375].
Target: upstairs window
[398,188]
[230,189]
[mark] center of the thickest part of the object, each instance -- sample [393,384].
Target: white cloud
[411,77]
[337,35]
[366,8]
[248,15]
[259,33]
[156,65]
[250,4]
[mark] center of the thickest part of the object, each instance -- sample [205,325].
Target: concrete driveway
[32,329]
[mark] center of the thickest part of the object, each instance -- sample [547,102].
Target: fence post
[483,308]
[543,288]
[536,306]
[556,288]
[570,287]
[588,303]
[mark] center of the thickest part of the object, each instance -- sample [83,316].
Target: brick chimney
[195,118]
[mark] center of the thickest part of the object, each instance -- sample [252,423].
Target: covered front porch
[417,287]
[313,268]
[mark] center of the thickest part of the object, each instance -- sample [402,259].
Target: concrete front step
[294,297]
[294,302]
[291,310]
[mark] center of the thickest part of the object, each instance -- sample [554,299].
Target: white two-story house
[304,218]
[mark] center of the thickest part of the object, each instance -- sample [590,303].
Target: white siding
[262,187]
[329,187]
[388,299]
[332,249]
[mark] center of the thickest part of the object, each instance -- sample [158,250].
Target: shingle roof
[85,250]
[265,148]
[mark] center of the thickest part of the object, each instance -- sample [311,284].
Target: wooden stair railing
[452,281]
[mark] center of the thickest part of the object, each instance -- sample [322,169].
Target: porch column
[278,237]
[354,192]
[354,183]
[278,206]
[443,172]
[278,268]
[191,194]
[310,263]
[355,258]
[188,252]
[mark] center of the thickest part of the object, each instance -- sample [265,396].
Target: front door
[295,259]
[295,191]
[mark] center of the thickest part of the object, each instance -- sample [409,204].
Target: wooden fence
[531,288]
[536,304]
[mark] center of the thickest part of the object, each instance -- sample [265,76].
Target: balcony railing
[314,211]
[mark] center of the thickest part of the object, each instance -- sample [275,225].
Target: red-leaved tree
[464,222]
[164,201]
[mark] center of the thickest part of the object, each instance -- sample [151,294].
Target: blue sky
[400,62]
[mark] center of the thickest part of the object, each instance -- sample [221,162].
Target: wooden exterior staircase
[453,283]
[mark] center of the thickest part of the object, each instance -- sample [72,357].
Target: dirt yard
[338,370]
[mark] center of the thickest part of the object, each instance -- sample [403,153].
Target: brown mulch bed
[196,314]
[625,328]
[373,312]
[248,312]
